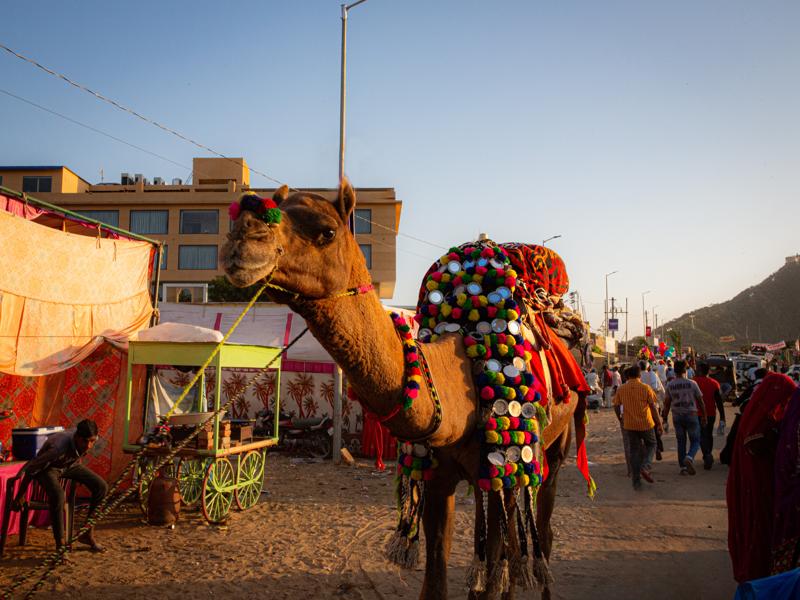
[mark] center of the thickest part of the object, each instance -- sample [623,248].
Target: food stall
[218,470]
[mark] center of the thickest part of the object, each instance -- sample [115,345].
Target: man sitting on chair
[60,458]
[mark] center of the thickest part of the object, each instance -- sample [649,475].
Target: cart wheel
[145,475]
[190,480]
[218,485]
[250,480]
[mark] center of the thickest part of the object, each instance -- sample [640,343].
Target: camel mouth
[244,276]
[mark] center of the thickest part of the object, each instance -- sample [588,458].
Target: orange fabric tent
[68,304]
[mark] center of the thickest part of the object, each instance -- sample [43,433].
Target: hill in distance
[767,312]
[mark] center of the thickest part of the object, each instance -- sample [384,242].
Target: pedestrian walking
[635,406]
[652,380]
[712,400]
[607,387]
[684,398]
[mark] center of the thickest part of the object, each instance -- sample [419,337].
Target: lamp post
[655,320]
[551,238]
[343,97]
[644,317]
[606,308]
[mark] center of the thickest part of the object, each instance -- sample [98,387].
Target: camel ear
[281,194]
[346,200]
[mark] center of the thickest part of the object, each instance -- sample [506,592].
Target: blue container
[26,443]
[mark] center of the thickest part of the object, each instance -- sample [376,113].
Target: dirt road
[320,530]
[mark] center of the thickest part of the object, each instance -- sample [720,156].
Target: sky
[659,140]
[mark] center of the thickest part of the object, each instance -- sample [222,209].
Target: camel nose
[251,227]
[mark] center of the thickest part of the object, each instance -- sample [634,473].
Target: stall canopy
[62,295]
[72,291]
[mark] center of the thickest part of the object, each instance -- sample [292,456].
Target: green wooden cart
[217,477]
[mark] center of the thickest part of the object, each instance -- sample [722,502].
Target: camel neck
[360,336]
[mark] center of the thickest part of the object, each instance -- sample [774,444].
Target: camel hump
[539,267]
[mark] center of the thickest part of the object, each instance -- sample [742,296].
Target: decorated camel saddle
[506,300]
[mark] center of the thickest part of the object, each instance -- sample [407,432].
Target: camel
[312,259]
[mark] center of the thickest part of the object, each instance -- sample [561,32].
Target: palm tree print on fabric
[264,389]
[232,387]
[327,392]
[300,386]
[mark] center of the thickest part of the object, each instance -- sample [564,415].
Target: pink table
[39,518]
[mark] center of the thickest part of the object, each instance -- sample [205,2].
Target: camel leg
[556,454]
[437,521]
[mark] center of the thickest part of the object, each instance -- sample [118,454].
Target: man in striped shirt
[635,405]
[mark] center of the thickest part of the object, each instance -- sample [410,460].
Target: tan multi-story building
[192,220]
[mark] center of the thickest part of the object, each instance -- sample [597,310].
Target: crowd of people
[762,449]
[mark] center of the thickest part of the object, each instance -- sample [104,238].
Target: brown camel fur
[313,254]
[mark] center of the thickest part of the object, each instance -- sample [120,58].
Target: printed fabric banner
[93,389]
[305,393]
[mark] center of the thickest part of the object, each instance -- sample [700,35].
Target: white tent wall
[307,370]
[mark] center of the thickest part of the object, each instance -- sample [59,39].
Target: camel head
[305,243]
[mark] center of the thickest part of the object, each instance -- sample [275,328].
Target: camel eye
[327,236]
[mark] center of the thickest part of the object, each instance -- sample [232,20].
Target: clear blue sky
[661,139]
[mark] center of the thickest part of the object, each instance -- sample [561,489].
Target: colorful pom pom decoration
[264,208]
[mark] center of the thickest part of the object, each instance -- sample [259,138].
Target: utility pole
[626,327]
[613,314]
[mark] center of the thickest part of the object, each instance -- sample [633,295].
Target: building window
[37,184]
[199,221]
[367,250]
[109,217]
[149,221]
[197,257]
[363,220]
[1,180]
[163,257]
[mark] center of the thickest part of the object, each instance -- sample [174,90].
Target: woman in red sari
[750,492]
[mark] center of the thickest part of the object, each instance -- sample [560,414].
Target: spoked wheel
[190,480]
[145,474]
[218,486]
[250,479]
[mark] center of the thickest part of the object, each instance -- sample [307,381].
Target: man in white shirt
[593,381]
[661,371]
[616,379]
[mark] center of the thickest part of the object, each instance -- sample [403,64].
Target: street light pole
[343,97]
[551,238]
[644,318]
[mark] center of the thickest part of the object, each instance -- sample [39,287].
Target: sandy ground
[319,532]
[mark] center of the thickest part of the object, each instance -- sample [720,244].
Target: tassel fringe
[500,578]
[402,551]
[522,573]
[476,575]
[541,571]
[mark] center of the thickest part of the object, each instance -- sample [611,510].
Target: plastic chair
[37,500]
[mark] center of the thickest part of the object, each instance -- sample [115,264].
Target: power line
[90,128]
[171,131]
[425,258]
[416,239]
[124,108]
